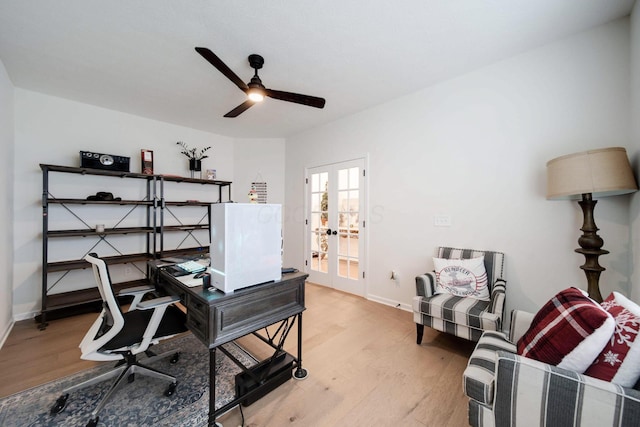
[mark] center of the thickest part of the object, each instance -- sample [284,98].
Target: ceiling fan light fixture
[255,95]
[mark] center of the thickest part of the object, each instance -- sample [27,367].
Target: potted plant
[195,157]
[324,207]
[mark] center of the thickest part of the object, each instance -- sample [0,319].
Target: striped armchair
[462,316]
[506,390]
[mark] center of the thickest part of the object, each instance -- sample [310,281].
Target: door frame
[364,220]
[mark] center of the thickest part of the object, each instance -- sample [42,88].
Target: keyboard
[191,267]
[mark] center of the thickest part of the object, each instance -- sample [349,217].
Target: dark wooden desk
[216,318]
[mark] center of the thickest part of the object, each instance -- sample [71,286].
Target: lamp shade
[603,172]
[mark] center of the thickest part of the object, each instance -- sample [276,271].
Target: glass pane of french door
[319,220]
[348,222]
[334,233]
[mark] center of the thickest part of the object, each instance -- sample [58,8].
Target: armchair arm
[526,388]
[498,296]
[426,285]
[520,322]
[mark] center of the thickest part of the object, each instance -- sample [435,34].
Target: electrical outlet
[442,220]
[128,271]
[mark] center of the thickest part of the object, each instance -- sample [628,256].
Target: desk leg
[300,372]
[212,386]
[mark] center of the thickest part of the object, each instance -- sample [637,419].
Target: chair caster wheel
[174,359]
[171,389]
[60,404]
[93,422]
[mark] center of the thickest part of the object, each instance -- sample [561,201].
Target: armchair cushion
[569,331]
[462,277]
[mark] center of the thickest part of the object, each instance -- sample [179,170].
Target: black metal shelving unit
[154,229]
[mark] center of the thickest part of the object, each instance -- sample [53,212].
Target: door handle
[329,232]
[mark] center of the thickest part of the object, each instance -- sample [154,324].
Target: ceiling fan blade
[222,67]
[311,101]
[240,109]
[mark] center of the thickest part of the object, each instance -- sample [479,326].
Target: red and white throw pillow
[619,361]
[569,331]
[462,277]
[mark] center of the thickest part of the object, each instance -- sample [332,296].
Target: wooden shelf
[173,178]
[90,232]
[88,171]
[185,227]
[100,202]
[189,203]
[199,250]
[169,178]
[83,296]
[80,263]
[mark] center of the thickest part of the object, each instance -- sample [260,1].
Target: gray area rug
[140,403]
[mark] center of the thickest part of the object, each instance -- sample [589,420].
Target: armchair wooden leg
[420,329]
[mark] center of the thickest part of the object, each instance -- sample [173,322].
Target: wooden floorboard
[364,367]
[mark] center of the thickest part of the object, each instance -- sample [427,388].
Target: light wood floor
[364,367]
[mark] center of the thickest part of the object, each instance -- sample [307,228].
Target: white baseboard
[389,302]
[25,316]
[5,333]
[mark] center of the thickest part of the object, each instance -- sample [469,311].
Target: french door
[335,221]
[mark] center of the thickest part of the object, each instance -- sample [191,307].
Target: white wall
[6,208]
[53,130]
[634,151]
[475,148]
[259,160]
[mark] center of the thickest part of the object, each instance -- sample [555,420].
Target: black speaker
[104,161]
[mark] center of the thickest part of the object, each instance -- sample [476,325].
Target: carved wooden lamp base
[591,247]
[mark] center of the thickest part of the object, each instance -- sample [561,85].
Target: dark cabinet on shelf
[147,219]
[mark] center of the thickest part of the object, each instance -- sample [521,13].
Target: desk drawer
[197,318]
[249,312]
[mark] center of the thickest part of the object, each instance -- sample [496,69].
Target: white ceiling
[137,56]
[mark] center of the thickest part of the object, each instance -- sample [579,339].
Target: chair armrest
[526,388]
[426,285]
[157,302]
[520,322]
[138,292]
[159,307]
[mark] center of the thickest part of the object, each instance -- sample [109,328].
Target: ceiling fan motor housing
[256,61]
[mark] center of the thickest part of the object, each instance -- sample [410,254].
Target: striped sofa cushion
[479,376]
[553,396]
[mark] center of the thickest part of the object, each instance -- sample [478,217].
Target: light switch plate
[442,220]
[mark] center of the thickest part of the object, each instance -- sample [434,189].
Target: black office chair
[122,336]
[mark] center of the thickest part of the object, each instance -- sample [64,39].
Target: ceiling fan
[255,90]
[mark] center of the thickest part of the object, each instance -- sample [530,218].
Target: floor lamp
[594,173]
